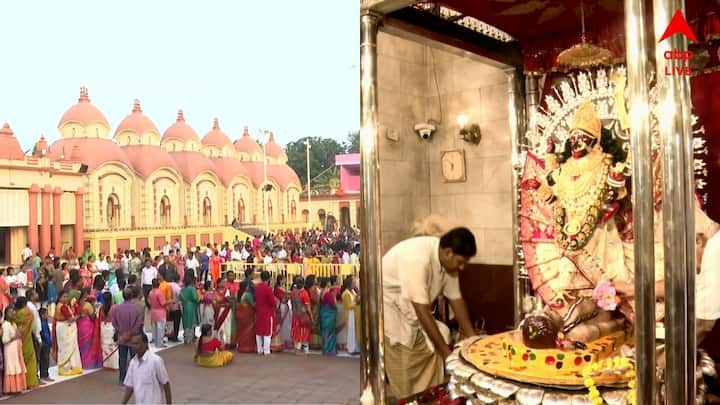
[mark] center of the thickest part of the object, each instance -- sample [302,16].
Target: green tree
[322,159]
[352,145]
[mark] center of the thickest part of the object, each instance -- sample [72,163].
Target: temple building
[137,187]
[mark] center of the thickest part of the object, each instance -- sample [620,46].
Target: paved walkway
[250,379]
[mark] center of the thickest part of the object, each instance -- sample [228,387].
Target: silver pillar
[674,109]
[532,97]
[642,200]
[516,116]
[372,362]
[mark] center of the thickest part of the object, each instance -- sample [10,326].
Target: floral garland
[619,365]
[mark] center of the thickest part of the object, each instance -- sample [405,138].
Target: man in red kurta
[264,313]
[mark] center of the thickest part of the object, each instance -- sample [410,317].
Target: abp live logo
[678,25]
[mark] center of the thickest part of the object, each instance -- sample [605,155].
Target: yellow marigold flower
[589,382]
[631,384]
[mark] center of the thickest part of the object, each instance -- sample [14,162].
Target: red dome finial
[246,131]
[83,95]
[180,117]
[272,137]
[6,130]
[136,106]
[216,123]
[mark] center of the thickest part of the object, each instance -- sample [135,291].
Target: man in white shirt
[101,264]
[166,249]
[244,253]
[26,253]
[236,256]
[707,285]
[416,272]
[146,376]
[22,282]
[147,275]
[282,254]
[345,257]
[192,263]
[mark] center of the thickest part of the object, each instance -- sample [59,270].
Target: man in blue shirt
[46,346]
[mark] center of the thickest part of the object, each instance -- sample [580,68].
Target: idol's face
[580,143]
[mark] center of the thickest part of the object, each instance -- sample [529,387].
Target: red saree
[245,316]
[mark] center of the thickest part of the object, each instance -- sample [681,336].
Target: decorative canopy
[547,27]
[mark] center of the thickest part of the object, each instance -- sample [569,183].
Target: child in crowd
[46,346]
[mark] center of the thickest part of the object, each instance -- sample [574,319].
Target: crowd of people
[84,312]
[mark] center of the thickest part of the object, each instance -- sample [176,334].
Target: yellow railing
[289,270]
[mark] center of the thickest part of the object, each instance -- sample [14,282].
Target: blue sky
[287,66]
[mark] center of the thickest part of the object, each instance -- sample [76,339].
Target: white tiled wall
[413,78]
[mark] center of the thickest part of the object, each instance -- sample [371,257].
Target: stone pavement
[250,379]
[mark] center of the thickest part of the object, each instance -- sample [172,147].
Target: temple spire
[216,124]
[180,116]
[83,95]
[136,106]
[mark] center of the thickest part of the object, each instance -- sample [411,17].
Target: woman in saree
[245,315]
[4,291]
[282,313]
[14,381]
[340,320]
[314,292]
[209,351]
[302,318]
[24,321]
[207,313]
[88,334]
[189,301]
[328,315]
[65,337]
[87,274]
[352,316]
[107,333]
[214,262]
[222,305]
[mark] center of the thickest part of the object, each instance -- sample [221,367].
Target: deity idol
[579,275]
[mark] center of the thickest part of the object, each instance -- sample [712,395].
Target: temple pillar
[79,234]
[56,234]
[373,336]
[516,116]
[642,200]
[45,224]
[674,105]
[33,220]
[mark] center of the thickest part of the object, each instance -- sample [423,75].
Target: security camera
[425,130]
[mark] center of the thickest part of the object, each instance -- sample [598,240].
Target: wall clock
[453,165]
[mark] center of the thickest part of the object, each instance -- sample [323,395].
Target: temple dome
[272,149]
[94,152]
[84,112]
[191,164]
[144,166]
[246,144]
[281,174]
[9,145]
[136,123]
[41,147]
[180,130]
[228,168]
[216,137]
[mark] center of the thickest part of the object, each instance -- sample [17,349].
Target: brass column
[642,199]
[674,109]
[516,118]
[372,362]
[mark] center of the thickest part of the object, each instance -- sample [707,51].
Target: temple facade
[137,187]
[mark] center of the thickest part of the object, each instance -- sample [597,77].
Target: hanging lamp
[584,54]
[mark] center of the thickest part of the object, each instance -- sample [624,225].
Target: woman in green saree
[189,300]
[24,319]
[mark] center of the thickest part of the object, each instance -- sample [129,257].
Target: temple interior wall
[417,82]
